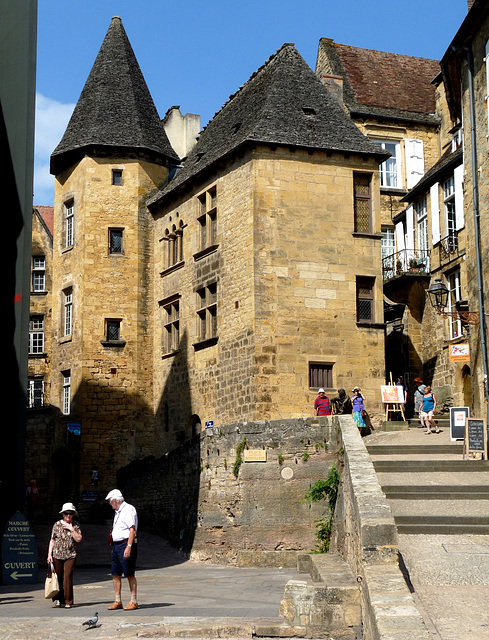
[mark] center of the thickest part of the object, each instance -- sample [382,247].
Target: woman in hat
[358,408]
[62,553]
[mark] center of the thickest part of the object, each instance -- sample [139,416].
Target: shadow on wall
[176,425]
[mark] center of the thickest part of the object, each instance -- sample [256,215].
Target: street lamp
[438,293]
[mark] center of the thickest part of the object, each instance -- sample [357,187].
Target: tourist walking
[65,535]
[322,405]
[342,403]
[428,410]
[358,405]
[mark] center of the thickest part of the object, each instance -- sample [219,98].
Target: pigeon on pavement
[91,622]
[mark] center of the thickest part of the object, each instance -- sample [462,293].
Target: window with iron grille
[362,205]
[208,218]
[115,240]
[36,335]
[35,393]
[38,273]
[365,299]
[113,330]
[320,375]
[207,312]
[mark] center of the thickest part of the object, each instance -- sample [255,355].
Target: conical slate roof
[115,109]
[283,103]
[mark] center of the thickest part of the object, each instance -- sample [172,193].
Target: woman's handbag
[51,586]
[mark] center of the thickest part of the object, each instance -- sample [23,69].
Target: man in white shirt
[124,548]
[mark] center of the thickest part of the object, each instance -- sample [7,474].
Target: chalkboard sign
[19,552]
[458,416]
[475,435]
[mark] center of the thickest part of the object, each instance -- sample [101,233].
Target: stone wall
[192,497]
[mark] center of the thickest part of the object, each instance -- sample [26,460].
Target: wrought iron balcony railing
[406,261]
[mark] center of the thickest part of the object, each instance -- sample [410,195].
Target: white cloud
[51,120]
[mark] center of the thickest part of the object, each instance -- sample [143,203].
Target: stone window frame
[38,274]
[113,333]
[358,198]
[112,231]
[36,335]
[207,203]
[321,374]
[206,320]
[170,311]
[66,392]
[69,223]
[67,315]
[365,299]
[384,168]
[117,177]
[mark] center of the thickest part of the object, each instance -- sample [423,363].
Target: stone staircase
[431,489]
[327,602]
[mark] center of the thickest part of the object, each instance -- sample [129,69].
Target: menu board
[476,436]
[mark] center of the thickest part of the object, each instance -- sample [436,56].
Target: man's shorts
[120,565]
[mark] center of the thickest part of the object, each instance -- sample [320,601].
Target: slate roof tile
[115,108]
[283,103]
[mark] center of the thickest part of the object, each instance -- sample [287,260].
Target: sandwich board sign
[475,437]
[458,417]
[19,552]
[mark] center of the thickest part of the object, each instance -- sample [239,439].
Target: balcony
[448,248]
[402,270]
[406,262]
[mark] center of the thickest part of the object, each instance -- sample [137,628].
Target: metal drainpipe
[475,202]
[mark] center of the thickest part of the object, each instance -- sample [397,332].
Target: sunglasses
[68,513]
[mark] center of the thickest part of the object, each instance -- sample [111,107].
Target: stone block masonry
[192,497]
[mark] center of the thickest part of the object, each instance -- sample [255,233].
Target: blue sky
[197,53]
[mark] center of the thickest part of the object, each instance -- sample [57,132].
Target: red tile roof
[387,80]
[47,214]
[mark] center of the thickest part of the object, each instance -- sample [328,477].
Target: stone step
[448,509]
[410,449]
[461,466]
[329,602]
[436,492]
[442,525]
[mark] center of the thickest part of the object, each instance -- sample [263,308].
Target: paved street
[204,598]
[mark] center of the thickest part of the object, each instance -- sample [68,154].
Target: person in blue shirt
[427,411]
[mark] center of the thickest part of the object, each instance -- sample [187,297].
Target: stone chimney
[182,131]
[335,85]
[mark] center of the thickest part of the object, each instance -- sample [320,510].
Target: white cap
[321,390]
[115,493]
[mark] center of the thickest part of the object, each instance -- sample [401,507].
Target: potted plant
[413,265]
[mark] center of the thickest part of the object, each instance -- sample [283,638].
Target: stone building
[392,99]
[257,300]
[465,71]
[217,287]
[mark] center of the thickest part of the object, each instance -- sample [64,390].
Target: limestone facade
[285,290]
